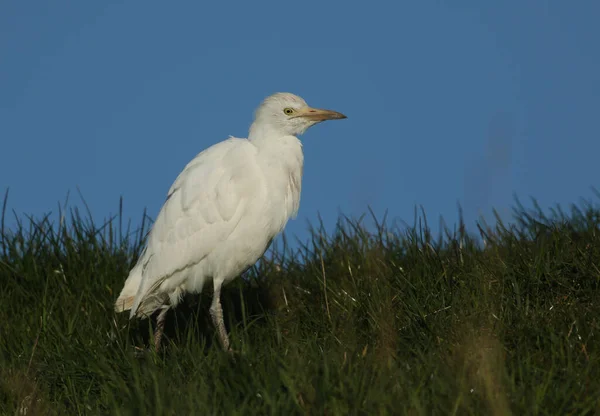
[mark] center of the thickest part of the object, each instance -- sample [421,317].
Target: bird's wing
[203,207]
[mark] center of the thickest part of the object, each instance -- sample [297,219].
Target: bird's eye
[288,111]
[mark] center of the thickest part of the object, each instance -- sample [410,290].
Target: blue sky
[447,102]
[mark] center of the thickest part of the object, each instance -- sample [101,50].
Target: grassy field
[383,322]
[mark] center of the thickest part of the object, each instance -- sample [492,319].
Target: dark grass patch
[386,321]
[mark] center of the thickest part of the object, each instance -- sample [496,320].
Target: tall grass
[360,321]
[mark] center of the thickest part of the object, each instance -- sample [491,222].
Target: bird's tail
[127,297]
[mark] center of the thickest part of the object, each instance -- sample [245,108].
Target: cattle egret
[222,212]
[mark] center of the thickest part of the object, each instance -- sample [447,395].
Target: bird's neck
[281,159]
[261,133]
[278,150]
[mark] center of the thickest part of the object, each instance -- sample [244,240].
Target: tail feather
[126,299]
[124,303]
[143,301]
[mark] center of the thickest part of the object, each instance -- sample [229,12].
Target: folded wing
[204,206]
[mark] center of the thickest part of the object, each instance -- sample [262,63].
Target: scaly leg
[216,312]
[160,327]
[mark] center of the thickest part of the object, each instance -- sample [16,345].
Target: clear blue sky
[447,101]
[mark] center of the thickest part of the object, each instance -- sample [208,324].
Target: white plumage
[222,212]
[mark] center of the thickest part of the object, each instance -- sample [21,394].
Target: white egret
[222,212]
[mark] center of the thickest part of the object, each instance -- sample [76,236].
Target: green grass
[383,322]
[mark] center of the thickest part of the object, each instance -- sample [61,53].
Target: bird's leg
[216,312]
[160,326]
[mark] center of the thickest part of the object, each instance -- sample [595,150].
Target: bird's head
[287,114]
